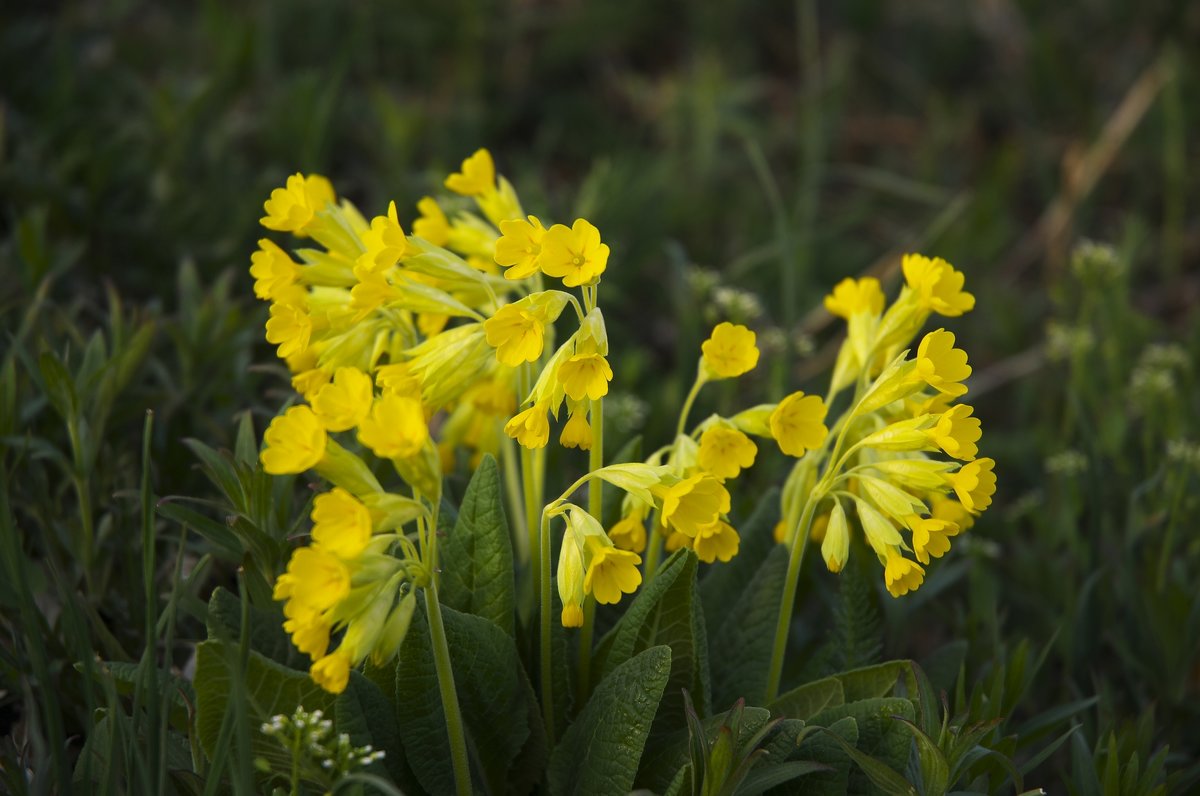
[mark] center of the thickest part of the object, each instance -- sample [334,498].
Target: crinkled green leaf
[477,559]
[809,699]
[741,647]
[600,752]
[267,635]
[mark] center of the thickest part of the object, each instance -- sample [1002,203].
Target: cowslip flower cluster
[902,461]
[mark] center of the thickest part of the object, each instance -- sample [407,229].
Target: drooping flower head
[293,207]
[574,254]
[295,442]
[938,286]
[729,351]
[853,296]
[725,451]
[798,423]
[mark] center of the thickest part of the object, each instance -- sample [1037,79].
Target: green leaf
[741,647]
[600,752]
[477,559]
[269,689]
[60,387]
[663,759]
[879,734]
[494,698]
[823,747]
[219,469]
[267,635]
[227,543]
[935,771]
[809,699]
[877,681]
[364,713]
[880,774]
[724,583]
[763,778]
[667,612]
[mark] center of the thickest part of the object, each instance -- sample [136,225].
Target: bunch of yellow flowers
[413,347]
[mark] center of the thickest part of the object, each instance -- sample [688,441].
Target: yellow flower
[585,375]
[569,578]
[432,225]
[676,540]
[530,428]
[295,441]
[273,270]
[629,533]
[519,246]
[725,451]
[478,175]
[730,351]
[517,335]
[341,523]
[289,327]
[397,378]
[974,484]
[332,672]
[835,547]
[575,255]
[395,427]
[940,364]
[797,423]
[385,242]
[852,296]
[956,432]
[901,575]
[717,540]
[309,382]
[950,510]
[291,209]
[611,572]
[577,433]
[344,402]
[695,501]
[317,579]
[310,636]
[937,285]
[930,536]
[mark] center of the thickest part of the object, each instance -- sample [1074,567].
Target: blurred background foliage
[739,157]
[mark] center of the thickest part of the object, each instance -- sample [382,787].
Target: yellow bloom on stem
[577,433]
[530,428]
[289,327]
[432,225]
[695,501]
[937,284]
[725,451]
[344,402]
[516,333]
[930,536]
[385,242]
[295,442]
[315,579]
[940,364]
[676,541]
[798,423]
[478,175]
[901,575]
[273,270]
[575,255]
[332,672]
[835,546]
[629,533]
[520,246]
[585,375]
[397,378]
[974,484]
[957,433]
[292,208]
[395,427]
[717,540]
[310,636]
[309,382]
[341,523]
[611,572]
[729,351]
[950,510]
[569,579]
[854,296]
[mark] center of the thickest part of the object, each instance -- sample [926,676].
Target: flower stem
[800,533]
[546,617]
[445,675]
[596,509]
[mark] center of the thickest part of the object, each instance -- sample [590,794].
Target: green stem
[445,675]
[516,505]
[1164,557]
[595,508]
[795,561]
[546,617]
[654,546]
[691,399]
